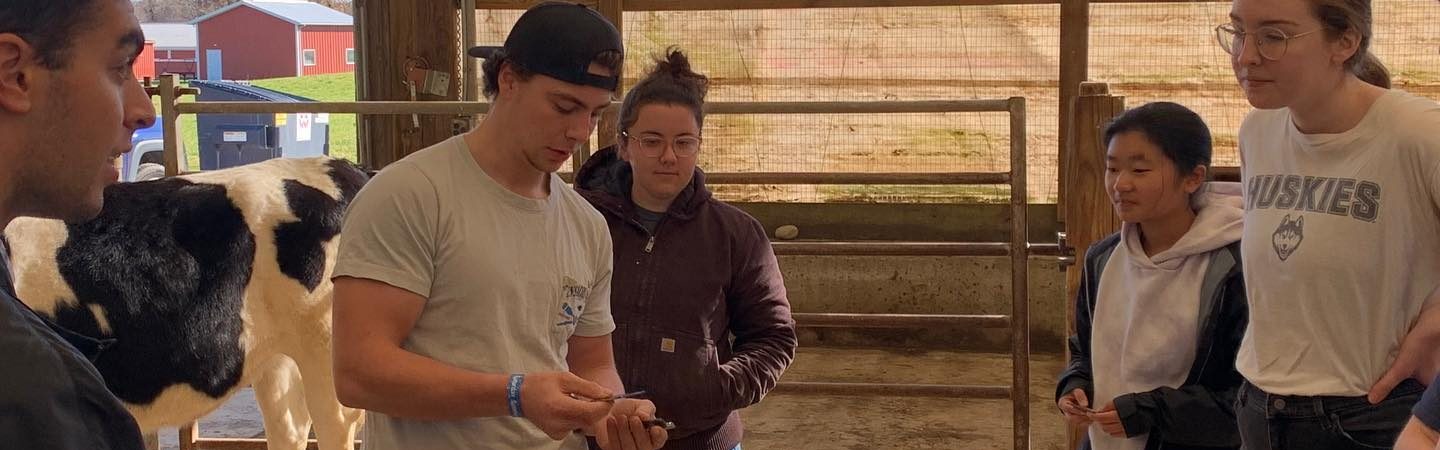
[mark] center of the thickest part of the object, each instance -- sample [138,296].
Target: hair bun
[677,65]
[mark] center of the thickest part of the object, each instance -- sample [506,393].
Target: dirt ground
[865,423]
[791,422]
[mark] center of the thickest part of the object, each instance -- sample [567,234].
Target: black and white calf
[205,283]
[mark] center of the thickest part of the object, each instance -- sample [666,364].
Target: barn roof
[294,11]
[170,35]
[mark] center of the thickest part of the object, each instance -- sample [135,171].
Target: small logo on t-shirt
[572,302]
[1288,236]
[568,316]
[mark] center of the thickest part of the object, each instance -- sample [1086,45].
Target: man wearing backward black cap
[472,288]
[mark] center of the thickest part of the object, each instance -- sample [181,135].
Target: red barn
[256,39]
[145,61]
[174,50]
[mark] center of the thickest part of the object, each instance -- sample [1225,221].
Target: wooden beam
[883,107]
[902,321]
[470,67]
[1019,277]
[364,152]
[732,5]
[722,5]
[1223,173]
[522,4]
[459,107]
[171,143]
[396,35]
[967,178]
[189,436]
[684,5]
[247,444]
[1159,1]
[842,248]
[405,108]
[1089,214]
[1074,68]
[845,178]
[891,390]
[609,129]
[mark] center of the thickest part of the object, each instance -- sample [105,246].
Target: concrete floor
[835,422]
[239,418]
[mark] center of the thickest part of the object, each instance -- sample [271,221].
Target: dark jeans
[1283,422]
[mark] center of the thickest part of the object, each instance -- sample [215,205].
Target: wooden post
[1088,211]
[362,133]
[189,435]
[609,126]
[1074,69]
[1019,278]
[394,35]
[471,66]
[171,144]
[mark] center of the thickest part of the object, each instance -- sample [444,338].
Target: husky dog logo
[1288,236]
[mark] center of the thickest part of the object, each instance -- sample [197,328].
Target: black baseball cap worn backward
[560,40]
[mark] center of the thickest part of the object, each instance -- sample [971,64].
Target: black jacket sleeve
[51,397]
[1077,374]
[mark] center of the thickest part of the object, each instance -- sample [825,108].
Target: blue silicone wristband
[513,394]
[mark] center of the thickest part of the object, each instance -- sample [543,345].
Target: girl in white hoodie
[1161,308]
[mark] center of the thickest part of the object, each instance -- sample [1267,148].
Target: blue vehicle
[146,160]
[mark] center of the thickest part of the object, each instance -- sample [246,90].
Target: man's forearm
[593,358]
[602,374]
[399,383]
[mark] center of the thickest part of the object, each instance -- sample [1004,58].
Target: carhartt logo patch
[667,345]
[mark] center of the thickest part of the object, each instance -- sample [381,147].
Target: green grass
[339,87]
[944,141]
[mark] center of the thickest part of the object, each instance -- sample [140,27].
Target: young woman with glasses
[1341,247]
[703,322]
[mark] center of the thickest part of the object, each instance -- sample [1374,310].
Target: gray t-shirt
[1341,245]
[507,281]
[648,219]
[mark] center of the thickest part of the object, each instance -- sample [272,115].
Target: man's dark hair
[49,26]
